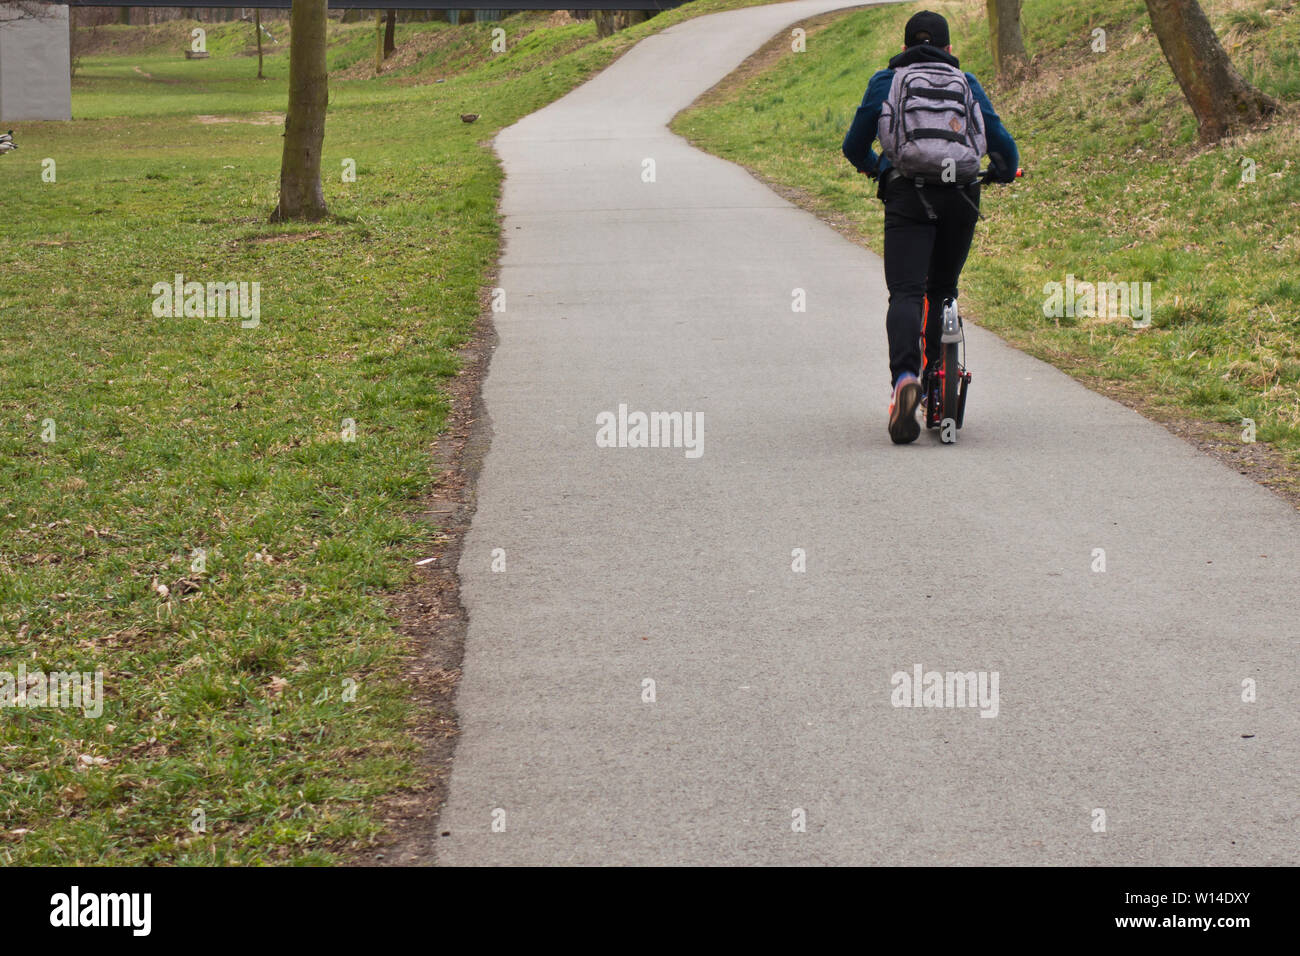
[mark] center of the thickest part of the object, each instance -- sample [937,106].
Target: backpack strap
[965,194]
[919,183]
[920,192]
[933,94]
[947,134]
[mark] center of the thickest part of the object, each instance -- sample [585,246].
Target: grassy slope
[176,434]
[1118,190]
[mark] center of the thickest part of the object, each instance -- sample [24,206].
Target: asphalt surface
[1118,690]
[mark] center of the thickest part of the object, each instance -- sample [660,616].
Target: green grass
[1117,190]
[171,435]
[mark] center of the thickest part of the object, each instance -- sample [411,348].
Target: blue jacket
[1004,158]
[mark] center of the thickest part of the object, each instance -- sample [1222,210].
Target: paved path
[1118,691]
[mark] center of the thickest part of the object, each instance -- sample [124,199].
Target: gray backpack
[931,128]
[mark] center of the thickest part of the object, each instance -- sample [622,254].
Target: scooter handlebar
[988,175]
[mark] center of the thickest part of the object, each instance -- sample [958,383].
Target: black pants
[923,258]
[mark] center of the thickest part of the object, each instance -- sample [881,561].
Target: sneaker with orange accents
[903,426]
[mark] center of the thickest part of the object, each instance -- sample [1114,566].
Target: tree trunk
[390,28]
[257,26]
[604,22]
[1219,96]
[1009,55]
[304,124]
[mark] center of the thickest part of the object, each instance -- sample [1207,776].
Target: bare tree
[257,28]
[1219,96]
[605,23]
[1009,55]
[390,30]
[304,123]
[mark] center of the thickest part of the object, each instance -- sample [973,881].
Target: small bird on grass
[468,117]
[7,143]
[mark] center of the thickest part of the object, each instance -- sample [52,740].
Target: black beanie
[926,27]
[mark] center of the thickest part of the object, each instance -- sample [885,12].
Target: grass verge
[212,516]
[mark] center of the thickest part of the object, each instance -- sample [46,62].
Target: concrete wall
[35,76]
